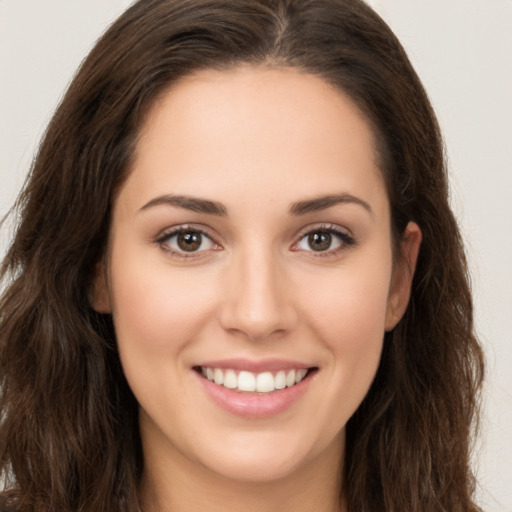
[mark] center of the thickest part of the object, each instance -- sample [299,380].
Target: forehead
[250,126]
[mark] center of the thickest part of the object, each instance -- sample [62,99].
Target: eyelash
[346,240]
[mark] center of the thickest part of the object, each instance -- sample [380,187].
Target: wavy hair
[69,438]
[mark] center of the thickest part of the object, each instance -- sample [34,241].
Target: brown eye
[325,240]
[189,241]
[320,240]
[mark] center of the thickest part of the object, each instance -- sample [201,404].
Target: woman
[236,280]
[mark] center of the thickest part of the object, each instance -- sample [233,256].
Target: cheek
[347,315]
[157,309]
[349,311]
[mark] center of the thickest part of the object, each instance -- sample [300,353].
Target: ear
[403,272]
[99,296]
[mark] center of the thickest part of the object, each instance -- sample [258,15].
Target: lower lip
[255,406]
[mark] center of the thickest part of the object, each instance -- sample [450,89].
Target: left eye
[321,240]
[188,241]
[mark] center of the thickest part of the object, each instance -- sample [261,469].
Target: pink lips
[252,405]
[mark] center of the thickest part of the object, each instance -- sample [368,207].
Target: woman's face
[250,249]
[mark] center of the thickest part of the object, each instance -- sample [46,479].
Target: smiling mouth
[249,382]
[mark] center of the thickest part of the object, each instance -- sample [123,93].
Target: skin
[255,140]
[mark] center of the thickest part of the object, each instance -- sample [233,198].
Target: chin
[266,457]
[265,468]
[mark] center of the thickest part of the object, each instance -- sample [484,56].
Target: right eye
[185,241]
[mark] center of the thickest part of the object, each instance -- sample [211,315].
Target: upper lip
[255,366]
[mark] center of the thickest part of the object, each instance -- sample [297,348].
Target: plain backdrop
[462,50]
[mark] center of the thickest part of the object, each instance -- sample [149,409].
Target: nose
[258,300]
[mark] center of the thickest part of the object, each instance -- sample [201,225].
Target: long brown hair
[69,435]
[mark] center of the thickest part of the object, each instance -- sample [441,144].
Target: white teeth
[300,374]
[280,380]
[218,376]
[264,382]
[230,380]
[290,378]
[246,381]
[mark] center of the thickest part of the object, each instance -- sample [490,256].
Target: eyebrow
[209,207]
[194,204]
[323,202]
